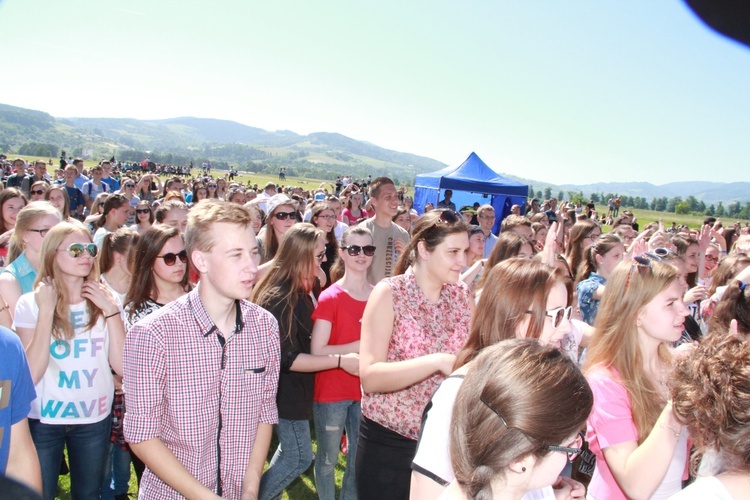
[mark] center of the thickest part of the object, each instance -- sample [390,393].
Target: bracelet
[339,365]
[112,315]
[675,432]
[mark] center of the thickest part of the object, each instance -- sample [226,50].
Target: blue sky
[557,91]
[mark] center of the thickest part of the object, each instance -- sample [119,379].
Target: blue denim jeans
[293,457]
[330,421]
[116,472]
[87,448]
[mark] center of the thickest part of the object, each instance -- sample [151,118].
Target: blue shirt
[586,303]
[114,184]
[16,389]
[22,270]
[76,198]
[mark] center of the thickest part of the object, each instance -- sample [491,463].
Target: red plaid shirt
[177,390]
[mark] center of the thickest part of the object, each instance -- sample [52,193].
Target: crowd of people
[177,326]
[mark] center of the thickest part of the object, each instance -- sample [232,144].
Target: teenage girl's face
[692,258]
[33,239]
[119,215]
[34,192]
[256,222]
[356,200]
[325,220]
[57,199]
[175,273]
[558,297]
[144,216]
[176,218]
[606,263]
[10,211]
[476,244]
[448,259]
[663,318]
[357,262]
[711,259]
[336,206]
[541,236]
[404,221]
[591,237]
[280,227]
[544,471]
[79,267]
[526,252]
[201,194]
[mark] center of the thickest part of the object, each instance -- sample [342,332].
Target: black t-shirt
[295,395]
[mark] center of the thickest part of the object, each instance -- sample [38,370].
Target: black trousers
[383,467]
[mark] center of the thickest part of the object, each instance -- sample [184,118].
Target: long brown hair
[518,398]
[119,241]
[62,328]
[141,263]
[5,195]
[499,314]
[601,246]
[431,229]
[292,272]
[729,267]
[615,344]
[578,232]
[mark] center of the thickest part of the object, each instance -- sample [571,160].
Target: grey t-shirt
[384,261]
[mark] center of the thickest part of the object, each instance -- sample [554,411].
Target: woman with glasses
[599,260]
[323,217]
[12,201]
[640,447]
[159,265]
[538,308]
[507,435]
[281,215]
[710,389]
[24,255]
[38,190]
[413,326]
[211,189]
[128,192]
[581,236]
[354,213]
[144,217]
[73,333]
[338,320]
[58,197]
[289,291]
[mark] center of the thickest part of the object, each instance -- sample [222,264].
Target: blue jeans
[330,421]
[87,448]
[116,472]
[293,457]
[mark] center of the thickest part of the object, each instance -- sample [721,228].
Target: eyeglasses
[326,217]
[711,258]
[320,257]
[558,314]
[129,185]
[75,250]
[285,215]
[170,258]
[571,452]
[212,185]
[42,232]
[486,217]
[641,263]
[142,210]
[38,192]
[354,250]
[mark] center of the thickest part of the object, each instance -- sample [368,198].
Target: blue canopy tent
[471,181]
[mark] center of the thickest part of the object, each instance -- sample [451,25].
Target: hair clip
[742,286]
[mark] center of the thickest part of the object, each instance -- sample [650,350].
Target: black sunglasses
[129,185]
[142,210]
[448,217]
[171,258]
[354,250]
[285,215]
[38,192]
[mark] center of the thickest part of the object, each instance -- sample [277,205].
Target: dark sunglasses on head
[37,192]
[171,258]
[75,250]
[285,215]
[142,210]
[354,250]
[448,217]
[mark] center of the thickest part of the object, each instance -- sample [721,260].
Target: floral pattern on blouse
[419,328]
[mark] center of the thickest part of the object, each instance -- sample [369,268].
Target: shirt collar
[207,326]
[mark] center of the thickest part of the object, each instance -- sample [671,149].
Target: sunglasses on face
[558,314]
[129,185]
[326,217]
[39,192]
[171,258]
[354,250]
[142,210]
[212,186]
[285,215]
[75,250]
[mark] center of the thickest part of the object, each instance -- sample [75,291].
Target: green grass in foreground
[303,488]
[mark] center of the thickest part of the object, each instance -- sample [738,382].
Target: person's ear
[422,251]
[522,465]
[199,261]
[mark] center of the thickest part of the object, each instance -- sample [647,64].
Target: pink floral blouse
[419,328]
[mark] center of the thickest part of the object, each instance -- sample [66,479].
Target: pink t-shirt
[610,423]
[347,215]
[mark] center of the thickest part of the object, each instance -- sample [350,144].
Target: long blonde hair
[615,345]
[62,328]
[28,216]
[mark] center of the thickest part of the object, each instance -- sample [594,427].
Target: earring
[523,469]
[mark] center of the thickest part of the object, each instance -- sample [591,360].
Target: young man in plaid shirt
[201,373]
